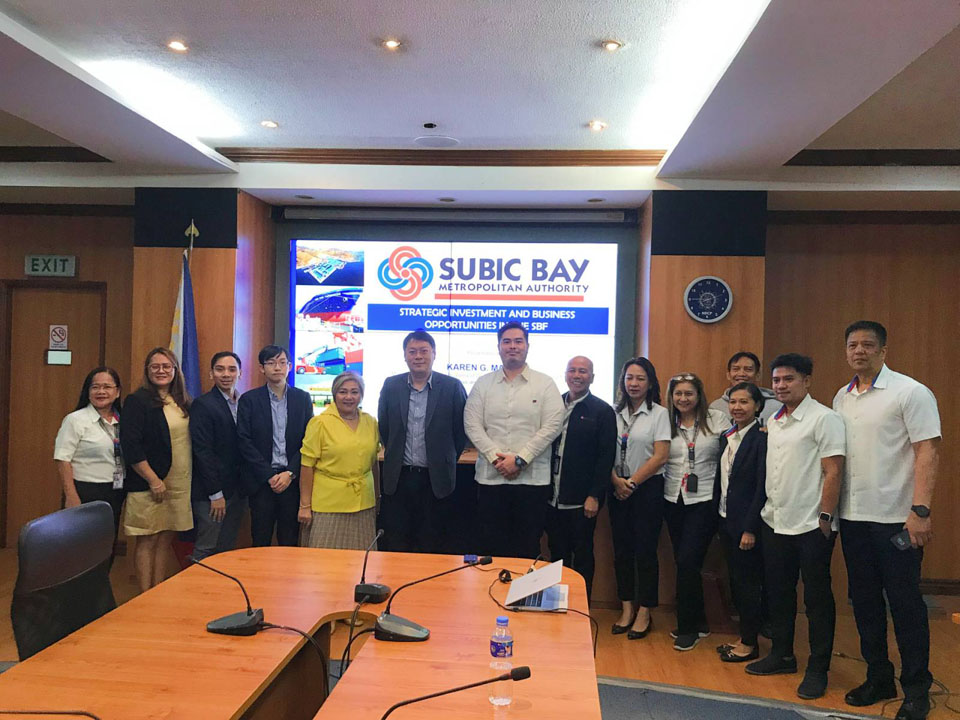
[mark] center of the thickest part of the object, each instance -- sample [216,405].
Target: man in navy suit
[218,505]
[271,422]
[421,427]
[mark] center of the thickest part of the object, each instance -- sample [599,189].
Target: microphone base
[393,628]
[240,623]
[375,592]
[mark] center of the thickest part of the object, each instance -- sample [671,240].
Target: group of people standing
[774,471]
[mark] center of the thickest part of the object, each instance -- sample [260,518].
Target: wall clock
[708,299]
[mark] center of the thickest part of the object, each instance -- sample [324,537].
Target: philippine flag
[183,333]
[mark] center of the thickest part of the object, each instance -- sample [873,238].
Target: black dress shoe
[621,629]
[726,647]
[871,693]
[729,657]
[914,709]
[637,634]
[814,685]
[773,665]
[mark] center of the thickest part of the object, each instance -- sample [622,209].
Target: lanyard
[691,450]
[625,435]
[111,431]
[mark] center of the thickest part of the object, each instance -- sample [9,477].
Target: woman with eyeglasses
[87,448]
[155,437]
[636,495]
[688,491]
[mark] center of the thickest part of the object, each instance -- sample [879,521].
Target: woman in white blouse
[87,448]
[636,496]
[688,490]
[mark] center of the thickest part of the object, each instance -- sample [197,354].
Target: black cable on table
[316,646]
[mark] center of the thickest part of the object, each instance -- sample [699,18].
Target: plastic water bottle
[501,654]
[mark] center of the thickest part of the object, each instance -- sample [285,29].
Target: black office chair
[64,578]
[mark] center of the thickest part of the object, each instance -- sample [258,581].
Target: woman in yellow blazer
[339,473]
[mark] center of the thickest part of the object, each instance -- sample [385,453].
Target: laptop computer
[540,590]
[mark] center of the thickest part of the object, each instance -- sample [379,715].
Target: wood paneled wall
[156,279]
[255,285]
[820,278]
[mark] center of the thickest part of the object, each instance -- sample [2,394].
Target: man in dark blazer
[218,505]
[271,422]
[421,427]
[582,459]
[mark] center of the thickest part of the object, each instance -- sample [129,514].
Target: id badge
[118,479]
[693,482]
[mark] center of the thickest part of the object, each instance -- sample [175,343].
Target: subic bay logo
[405,273]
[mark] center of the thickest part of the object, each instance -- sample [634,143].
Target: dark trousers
[91,491]
[787,558]
[635,524]
[512,519]
[413,519]
[570,537]
[216,537]
[691,528]
[875,567]
[269,510]
[746,577]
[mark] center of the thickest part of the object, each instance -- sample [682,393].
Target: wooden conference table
[152,657]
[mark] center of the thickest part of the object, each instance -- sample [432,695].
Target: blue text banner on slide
[354,301]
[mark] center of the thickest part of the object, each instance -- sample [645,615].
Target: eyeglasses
[679,378]
[276,363]
[160,368]
[95,388]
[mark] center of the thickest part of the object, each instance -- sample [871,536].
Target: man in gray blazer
[421,427]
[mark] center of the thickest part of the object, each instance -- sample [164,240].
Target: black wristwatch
[519,462]
[825,517]
[921,511]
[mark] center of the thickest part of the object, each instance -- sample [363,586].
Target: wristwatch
[921,511]
[825,517]
[519,462]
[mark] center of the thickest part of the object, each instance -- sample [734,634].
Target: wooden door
[40,394]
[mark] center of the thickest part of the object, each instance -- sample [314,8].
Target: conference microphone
[370,592]
[394,628]
[518,673]
[240,623]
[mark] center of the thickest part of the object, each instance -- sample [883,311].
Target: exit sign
[50,265]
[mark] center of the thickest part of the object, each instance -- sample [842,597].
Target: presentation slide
[354,301]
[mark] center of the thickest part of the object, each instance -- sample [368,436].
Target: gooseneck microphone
[370,592]
[247,622]
[518,673]
[394,628]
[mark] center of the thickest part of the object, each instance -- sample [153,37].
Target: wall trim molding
[863,217]
[500,158]
[73,210]
[904,157]
[47,154]
[934,586]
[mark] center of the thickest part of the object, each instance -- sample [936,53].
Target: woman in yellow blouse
[339,473]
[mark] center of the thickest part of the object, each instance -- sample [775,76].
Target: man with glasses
[744,366]
[217,503]
[271,422]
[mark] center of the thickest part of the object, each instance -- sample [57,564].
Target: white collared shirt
[727,457]
[84,444]
[706,453]
[796,443]
[882,423]
[648,426]
[520,416]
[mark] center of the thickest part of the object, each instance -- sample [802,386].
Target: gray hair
[344,377]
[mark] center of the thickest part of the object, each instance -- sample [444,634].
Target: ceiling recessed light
[436,141]
[595,200]
[177,46]
[597,125]
[391,44]
[304,197]
[611,45]
[272,124]
[447,199]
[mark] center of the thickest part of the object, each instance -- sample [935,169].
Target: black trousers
[413,519]
[875,567]
[691,528]
[512,518]
[746,578]
[635,524]
[570,537]
[787,558]
[269,510]
[91,491]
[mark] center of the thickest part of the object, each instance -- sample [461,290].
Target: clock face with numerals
[708,299]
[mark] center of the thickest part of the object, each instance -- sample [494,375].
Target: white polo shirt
[84,444]
[646,426]
[796,443]
[882,423]
[706,454]
[520,416]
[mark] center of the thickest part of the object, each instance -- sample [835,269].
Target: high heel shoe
[637,634]
[621,629]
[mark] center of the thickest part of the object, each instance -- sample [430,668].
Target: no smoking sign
[58,337]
